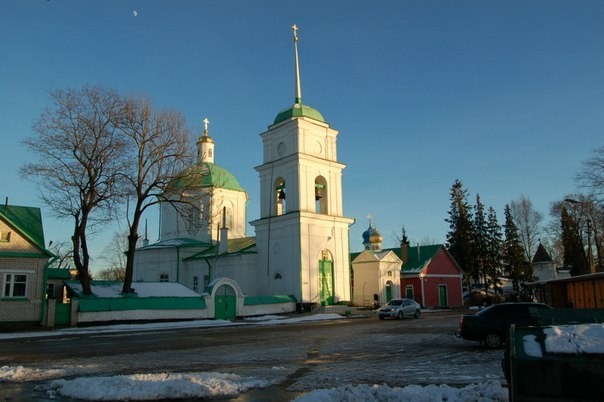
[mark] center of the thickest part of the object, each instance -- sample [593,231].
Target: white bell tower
[302,235]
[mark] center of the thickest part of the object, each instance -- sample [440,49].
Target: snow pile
[22,374]
[531,346]
[486,392]
[142,289]
[145,387]
[148,387]
[581,338]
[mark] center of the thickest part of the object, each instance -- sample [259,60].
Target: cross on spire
[206,122]
[295,28]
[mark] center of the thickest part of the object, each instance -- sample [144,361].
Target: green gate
[326,278]
[62,314]
[225,303]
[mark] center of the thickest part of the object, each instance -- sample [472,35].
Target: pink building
[431,276]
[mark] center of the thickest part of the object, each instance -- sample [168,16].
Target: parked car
[491,325]
[398,308]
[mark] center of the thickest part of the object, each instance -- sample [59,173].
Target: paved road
[296,357]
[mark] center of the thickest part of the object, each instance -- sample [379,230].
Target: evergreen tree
[515,264]
[574,252]
[460,236]
[493,257]
[480,237]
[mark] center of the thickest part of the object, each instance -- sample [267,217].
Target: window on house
[4,236]
[409,292]
[50,291]
[15,285]
[195,284]
[278,276]
[389,274]
[206,280]
[164,278]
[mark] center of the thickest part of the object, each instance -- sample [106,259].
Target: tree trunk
[81,266]
[132,241]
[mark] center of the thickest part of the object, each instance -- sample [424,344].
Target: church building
[301,246]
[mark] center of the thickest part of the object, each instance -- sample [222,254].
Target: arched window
[279,194]
[321,195]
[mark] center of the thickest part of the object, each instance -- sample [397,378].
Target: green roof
[28,221]
[417,257]
[234,246]
[299,110]
[206,174]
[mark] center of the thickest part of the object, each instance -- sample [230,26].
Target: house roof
[417,257]
[28,221]
[541,255]
[234,246]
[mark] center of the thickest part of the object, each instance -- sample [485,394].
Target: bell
[318,194]
[281,195]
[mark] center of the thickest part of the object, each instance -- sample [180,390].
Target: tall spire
[298,86]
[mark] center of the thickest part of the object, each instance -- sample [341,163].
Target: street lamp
[590,261]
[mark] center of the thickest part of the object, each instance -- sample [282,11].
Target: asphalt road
[295,357]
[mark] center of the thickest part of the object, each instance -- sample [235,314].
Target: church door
[225,303]
[388,291]
[326,278]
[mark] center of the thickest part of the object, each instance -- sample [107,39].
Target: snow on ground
[153,386]
[489,391]
[148,387]
[579,338]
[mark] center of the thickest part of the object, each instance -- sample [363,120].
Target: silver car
[399,308]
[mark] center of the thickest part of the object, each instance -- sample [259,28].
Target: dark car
[491,325]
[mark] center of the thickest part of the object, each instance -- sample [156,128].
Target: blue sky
[507,96]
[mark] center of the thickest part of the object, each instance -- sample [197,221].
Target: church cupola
[372,239]
[205,145]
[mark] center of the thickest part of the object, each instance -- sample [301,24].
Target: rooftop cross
[205,125]
[295,28]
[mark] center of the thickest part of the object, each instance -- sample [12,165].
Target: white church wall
[366,283]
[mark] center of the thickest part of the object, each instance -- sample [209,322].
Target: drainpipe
[421,278]
[178,264]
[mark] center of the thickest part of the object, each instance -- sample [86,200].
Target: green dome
[299,110]
[206,174]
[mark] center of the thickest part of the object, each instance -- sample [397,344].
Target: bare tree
[528,222]
[64,254]
[592,174]
[114,254]
[79,155]
[159,151]
[591,178]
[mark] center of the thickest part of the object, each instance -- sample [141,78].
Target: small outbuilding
[431,276]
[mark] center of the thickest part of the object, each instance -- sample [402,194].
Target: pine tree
[515,264]
[574,252]
[460,237]
[480,241]
[494,244]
